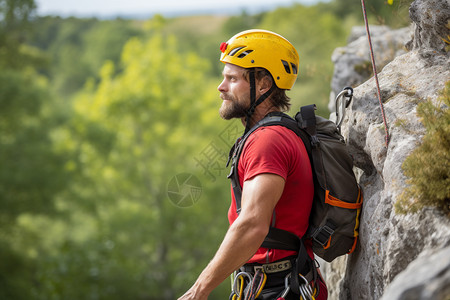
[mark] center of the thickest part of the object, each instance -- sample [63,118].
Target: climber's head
[262,58]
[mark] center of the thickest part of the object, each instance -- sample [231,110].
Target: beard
[233,108]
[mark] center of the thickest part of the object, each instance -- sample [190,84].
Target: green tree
[241,22]
[122,237]
[104,41]
[77,48]
[15,16]
[31,173]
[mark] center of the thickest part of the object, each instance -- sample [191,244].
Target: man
[274,173]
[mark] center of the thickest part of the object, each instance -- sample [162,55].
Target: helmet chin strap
[253,102]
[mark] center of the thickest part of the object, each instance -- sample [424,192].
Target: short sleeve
[265,151]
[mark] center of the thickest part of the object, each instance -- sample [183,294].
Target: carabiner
[238,295]
[348,93]
[306,292]
[287,287]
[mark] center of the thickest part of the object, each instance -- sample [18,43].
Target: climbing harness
[346,93]
[386,130]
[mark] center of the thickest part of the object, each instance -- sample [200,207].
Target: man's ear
[265,84]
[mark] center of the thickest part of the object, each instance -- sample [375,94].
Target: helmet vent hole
[286,66]
[294,68]
[245,53]
[233,52]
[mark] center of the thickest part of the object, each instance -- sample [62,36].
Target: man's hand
[191,294]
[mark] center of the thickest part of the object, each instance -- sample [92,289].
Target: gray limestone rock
[390,242]
[431,22]
[426,278]
[352,63]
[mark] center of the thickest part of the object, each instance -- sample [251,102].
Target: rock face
[431,19]
[390,242]
[352,64]
[433,282]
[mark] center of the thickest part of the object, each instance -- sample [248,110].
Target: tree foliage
[126,143]
[14,22]
[31,174]
[77,48]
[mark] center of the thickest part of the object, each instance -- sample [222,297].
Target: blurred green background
[112,154]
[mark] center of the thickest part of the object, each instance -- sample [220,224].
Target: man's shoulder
[277,132]
[274,138]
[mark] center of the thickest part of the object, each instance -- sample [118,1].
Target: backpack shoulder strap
[306,118]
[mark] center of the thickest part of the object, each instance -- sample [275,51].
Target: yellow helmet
[263,49]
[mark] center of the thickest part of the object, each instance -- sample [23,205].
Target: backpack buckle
[315,141]
[322,235]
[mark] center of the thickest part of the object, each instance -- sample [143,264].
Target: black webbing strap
[251,110]
[307,119]
[253,102]
[322,234]
[262,98]
[281,239]
[304,265]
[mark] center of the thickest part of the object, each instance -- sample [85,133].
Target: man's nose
[222,87]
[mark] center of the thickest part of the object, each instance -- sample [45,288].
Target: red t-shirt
[278,150]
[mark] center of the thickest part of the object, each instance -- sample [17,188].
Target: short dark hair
[278,98]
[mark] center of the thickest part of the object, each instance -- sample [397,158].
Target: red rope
[375,74]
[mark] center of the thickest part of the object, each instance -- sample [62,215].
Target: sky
[109,8]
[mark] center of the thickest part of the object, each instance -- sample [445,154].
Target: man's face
[235,92]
